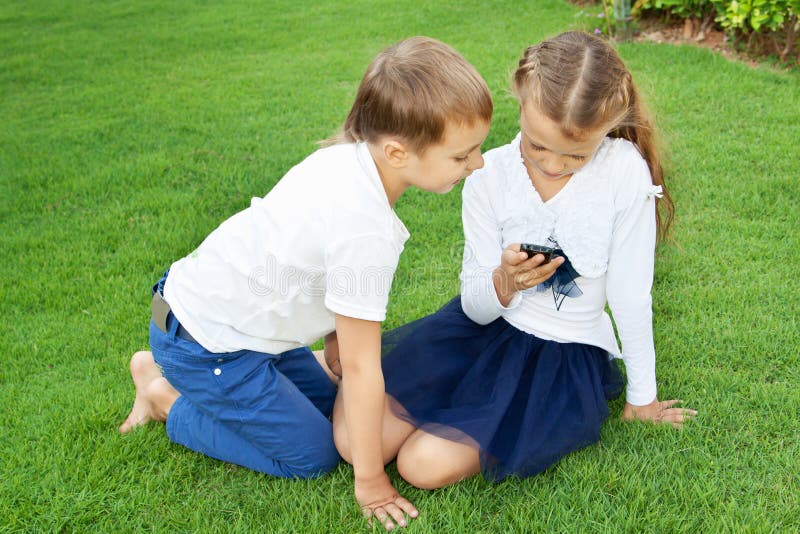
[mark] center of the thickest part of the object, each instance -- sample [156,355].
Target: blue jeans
[266,412]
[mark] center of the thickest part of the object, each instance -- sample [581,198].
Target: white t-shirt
[324,240]
[604,221]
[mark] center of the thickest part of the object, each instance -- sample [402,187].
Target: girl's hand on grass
[517,272]
[380,500]
[659,412]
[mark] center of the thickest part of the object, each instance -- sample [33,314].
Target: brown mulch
[692,32]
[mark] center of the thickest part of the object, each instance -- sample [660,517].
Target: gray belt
[160,310]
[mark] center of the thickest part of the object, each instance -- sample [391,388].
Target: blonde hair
[411,90]
[580,82]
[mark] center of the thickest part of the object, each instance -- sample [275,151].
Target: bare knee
[142,362]
[394,432]
[342,442]
[429,462]
[422,469]
[340,438]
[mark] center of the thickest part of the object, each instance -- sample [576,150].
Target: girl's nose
[552,164]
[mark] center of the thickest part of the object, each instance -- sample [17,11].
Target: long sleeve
[630,278]
[482,250]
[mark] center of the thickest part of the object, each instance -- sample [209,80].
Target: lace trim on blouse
[583,227]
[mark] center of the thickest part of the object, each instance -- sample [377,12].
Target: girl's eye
[537,147]
[578,158]
[462,159]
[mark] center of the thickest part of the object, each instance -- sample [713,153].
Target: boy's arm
[363,397]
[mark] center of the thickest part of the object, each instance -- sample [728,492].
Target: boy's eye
[578,158]
[537,147]
[462,159]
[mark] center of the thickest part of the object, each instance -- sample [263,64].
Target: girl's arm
[363,397]
[629,281]
[491,277]
[482,253]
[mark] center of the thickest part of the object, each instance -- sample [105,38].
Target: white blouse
[604,221]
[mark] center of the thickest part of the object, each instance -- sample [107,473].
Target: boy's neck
[392,182]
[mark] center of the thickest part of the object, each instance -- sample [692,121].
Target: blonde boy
[230,370]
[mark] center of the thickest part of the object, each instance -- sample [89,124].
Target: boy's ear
[395,152]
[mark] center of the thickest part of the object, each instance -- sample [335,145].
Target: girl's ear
[395,152]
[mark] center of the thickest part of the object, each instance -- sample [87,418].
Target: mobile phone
[533,250]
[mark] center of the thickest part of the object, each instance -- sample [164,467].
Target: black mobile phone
[533,250]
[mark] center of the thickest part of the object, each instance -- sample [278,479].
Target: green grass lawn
[132,129]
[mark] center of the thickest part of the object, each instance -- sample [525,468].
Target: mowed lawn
[130,130]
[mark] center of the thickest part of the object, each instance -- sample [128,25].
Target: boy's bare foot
[143,371]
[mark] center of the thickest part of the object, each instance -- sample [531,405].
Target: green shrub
[757,23]
[757,15]
[682,9]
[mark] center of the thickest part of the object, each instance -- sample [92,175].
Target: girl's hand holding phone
[518,272]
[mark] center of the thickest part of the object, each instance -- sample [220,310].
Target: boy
[230,370]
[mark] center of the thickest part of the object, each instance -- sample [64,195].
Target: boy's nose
[476,162]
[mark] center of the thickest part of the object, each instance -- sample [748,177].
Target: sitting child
[517,372]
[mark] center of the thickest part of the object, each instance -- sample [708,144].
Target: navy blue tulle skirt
[522,401]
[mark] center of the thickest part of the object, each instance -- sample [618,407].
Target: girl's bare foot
[143,371]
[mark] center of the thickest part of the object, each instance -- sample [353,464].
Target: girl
[230,370]
[516,373]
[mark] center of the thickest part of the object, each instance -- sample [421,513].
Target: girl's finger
[669,403]
[551,266]
[682,413]
[534,260]
[522,281]
[512,257]
[677,416]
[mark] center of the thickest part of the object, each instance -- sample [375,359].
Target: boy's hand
[659,412]
[517,272]
[378,498]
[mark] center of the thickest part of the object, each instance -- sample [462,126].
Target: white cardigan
[604,221]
